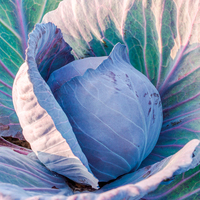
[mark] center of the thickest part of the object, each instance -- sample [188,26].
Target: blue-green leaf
[17,19]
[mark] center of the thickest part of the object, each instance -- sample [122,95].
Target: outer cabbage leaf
[45,125]
[110,107]
[23,176]
[179,188]
[17,19]
[134,185]
[167,169]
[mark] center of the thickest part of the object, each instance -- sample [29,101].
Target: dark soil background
[22,143]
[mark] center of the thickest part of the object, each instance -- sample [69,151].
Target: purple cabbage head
[114,110]
[109,115]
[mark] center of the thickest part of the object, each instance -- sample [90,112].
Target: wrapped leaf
[110,107]
[45,126]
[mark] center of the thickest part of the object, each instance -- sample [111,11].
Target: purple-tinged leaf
[52,52]
[110,107]
[165,170]
[30,176]
[45,125]
[130,186]
[71,70]
[180,188]
[145,180]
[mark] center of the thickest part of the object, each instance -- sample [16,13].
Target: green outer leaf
[93,29]
[17,19]
[158,33]
[180,188]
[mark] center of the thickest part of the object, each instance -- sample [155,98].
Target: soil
[22,143]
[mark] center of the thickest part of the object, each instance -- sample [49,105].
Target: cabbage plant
[96,85]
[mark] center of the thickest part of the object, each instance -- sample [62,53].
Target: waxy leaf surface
[109,107]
